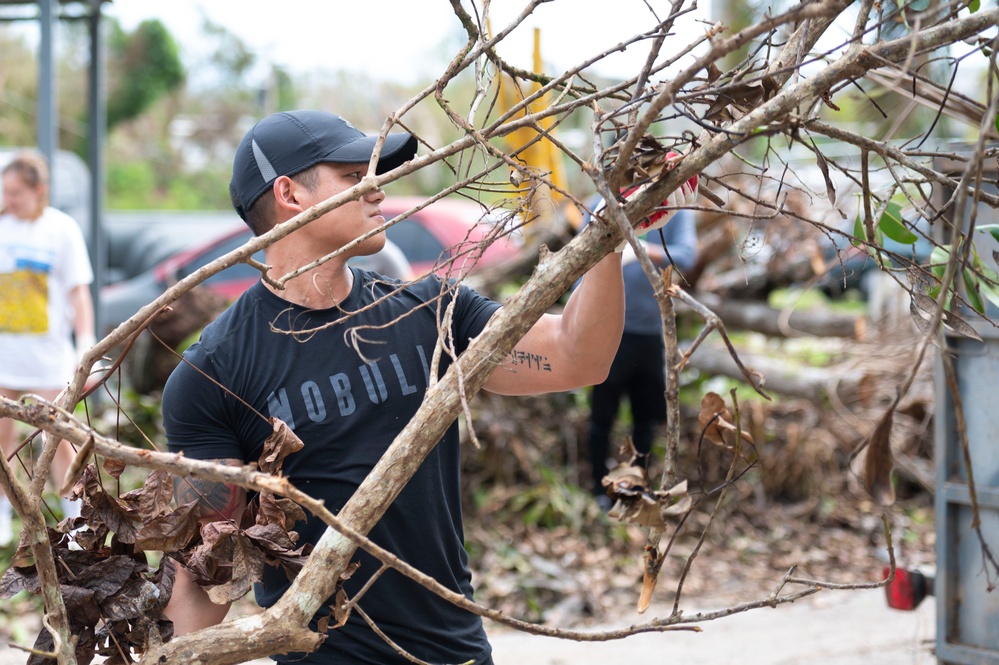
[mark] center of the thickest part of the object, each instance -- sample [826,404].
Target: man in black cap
[348,395]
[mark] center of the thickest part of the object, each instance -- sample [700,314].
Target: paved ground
[831,628]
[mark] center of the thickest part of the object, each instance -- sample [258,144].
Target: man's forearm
[593,318]
[574,349]
[190,608]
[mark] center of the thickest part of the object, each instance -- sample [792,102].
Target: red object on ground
[907,590]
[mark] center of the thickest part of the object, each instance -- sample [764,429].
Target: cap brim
[397,149]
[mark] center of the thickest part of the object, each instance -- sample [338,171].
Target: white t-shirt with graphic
[41,261]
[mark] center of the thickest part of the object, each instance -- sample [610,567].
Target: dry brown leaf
[75,470]
[156,494]
[649,581]
[639,509]
[100,508]
[247,568]
[681,507]
[627,451]
[114,468]
[210,561]
[340,612]
[878,462]
[283,512]
[114,602]
[628,485]
[717,423]
[281,443]
[170,532]
[339,606]
[713,410]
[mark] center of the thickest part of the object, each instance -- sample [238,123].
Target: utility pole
[47,129]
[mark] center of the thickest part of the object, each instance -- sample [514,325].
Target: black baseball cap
[289,142]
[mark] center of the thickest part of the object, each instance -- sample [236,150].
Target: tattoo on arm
[525,360]
[215,500]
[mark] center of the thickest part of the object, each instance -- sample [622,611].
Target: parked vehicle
[851,266]
[139,240]
[446,237]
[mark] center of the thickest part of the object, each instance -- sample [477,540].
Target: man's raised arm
[572,349]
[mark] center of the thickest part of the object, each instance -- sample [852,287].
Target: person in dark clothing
[348,396]
[638,370]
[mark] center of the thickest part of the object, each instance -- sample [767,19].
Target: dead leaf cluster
[635,501]
[114,596]
[732,97]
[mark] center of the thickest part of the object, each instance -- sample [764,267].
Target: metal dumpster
[966,580]
[967,610]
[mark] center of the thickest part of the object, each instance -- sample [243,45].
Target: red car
[445,237]
[447,229]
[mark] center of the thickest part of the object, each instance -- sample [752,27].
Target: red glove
[684,196]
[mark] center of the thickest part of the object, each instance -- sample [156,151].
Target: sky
[400,39]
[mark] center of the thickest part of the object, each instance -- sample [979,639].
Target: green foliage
[201,190]
[138,186]
[814,299]
[980,282]
[233,58]
[860,233]
[284,88]
[991,229]
[146,65]
[973,295]
[890,224]
[130,185]
[893,225]
[19,89]
[553,502]
[938,261]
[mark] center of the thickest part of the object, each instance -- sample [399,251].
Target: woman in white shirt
[45,304]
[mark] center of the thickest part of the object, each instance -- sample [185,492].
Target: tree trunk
[761,317]
[782,377]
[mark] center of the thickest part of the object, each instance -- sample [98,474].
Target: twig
[388,640]
[712,322]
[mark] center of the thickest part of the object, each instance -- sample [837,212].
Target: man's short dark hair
[260,215]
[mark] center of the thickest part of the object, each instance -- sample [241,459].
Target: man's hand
[684,196]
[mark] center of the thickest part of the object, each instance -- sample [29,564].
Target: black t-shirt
[347,386]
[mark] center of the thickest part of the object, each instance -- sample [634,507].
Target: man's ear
[286,194]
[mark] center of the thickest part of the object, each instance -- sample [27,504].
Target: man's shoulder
[236,319]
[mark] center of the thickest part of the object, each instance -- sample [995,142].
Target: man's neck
[320,288]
